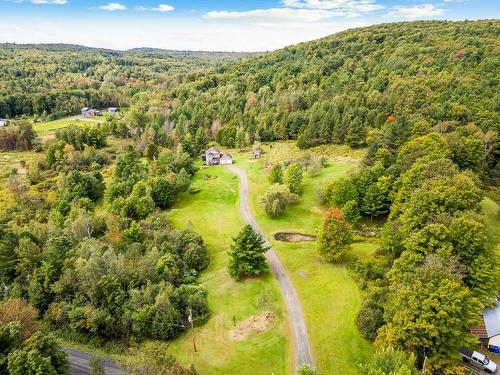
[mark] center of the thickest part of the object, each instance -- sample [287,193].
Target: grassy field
[214,214]
[330,297]
[46,130]
[492,211]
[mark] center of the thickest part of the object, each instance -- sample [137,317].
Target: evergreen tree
[247,254]
[151,152]
[374,202]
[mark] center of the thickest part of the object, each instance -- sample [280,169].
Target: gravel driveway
[303,353]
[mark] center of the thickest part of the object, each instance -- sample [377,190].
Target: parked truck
[479,360]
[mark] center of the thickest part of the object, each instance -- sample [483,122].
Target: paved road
[79,363]
[303,353]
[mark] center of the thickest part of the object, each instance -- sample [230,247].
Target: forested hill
[336,88]
[58,79]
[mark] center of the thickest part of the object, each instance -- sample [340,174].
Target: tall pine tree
[247,254]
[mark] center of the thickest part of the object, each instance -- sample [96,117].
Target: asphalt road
[79,363]
[303,353]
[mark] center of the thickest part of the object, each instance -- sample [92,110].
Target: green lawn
[330,297]
[46,130]
[492,212]
[214,214]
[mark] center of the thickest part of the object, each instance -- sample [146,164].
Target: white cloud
[111,7]
[163,8]
[342,5]
[273,15]
[58,2]
[178,34]
[415,12]
[159,8]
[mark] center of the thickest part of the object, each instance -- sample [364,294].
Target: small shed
[3,122]
[226,159]
[256,154]
[113,109]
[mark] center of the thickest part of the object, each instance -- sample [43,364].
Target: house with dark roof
[488,331]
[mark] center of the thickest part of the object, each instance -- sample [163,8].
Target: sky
[214,25]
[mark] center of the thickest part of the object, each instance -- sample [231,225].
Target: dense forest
[54,80]
[86,241]
[339,88]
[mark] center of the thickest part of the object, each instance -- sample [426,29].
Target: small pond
[293,237]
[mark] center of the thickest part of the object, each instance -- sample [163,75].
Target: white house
[86,111]
[113,109]
[213,157]
[226,159]
[3,122]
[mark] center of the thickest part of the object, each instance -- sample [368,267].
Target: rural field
[213,213]
[329,296]
[47,130]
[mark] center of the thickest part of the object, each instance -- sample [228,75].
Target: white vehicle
[479,360]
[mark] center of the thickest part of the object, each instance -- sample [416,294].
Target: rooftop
[491,317]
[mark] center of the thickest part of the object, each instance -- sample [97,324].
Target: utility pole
[190,320]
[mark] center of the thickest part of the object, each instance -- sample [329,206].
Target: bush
[390,362]
[371,317]
[194,190]
[276,200]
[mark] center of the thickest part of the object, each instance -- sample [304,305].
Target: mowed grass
[47,130]
[215,215]
[330,297]
[49,126]
[492,211]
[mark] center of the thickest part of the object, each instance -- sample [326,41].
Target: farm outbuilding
[256,154]
[488,331]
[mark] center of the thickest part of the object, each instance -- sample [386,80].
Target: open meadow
[330,297]
[213,213]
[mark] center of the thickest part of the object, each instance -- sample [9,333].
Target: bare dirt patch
[293,237]
[252,326]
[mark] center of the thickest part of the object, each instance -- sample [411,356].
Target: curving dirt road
[303,353]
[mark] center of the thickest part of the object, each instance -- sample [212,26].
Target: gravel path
[303,353]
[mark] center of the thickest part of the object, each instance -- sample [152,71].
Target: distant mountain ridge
[64,47]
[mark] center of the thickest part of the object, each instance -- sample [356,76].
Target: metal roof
[212,150]
[491,317]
